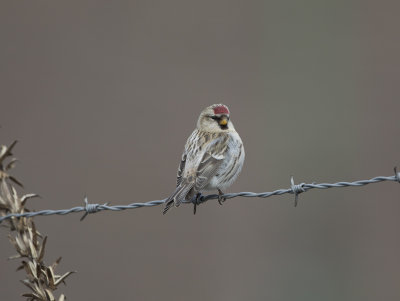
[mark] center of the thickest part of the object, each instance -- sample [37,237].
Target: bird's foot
[196,201]
[221,199]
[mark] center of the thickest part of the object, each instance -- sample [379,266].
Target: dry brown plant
[28,242]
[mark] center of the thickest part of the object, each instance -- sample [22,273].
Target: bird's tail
[178,196]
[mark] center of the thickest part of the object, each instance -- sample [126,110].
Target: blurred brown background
[103,94]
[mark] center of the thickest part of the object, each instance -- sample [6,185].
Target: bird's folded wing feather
[181,169]
[210,163]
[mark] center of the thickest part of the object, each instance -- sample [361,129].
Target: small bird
[212,159]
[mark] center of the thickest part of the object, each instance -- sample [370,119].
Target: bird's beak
[223,121]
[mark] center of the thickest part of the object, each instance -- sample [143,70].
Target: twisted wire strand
[294,189]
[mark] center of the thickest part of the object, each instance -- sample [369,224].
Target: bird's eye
[214,117]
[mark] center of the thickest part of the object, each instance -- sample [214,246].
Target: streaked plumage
[212,159]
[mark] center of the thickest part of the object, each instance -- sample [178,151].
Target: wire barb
[90,208]
[296,190]
[396,174]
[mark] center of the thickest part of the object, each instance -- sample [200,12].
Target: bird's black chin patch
[223,127]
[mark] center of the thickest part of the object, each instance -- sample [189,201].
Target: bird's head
[215,118]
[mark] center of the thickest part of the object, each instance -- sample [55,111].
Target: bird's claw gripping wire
[221,198]
[196,200]
[296,190]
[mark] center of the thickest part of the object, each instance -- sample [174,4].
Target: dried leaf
[55,264]
[62,278]
[5,191]
[28,284]
[35,231]
[10,164]
[21,266]
[27,269]
[6,151]
[49,295]
[15,195]
[41,253]
[3,150]
[33,268]
[15,181]
[34,234]
[51,277]
[16,256]
[28,196]
[33,250]
[62,298]
[30,295]
[21,248]
[38,289]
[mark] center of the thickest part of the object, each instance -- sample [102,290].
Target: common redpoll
[212,159]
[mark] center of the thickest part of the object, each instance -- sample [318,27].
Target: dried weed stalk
[29,243]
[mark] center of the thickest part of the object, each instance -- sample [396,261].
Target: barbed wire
[295,189]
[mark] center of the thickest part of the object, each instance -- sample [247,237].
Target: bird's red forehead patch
[221,110]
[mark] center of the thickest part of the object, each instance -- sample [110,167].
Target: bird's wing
[181,168]
[211,161]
